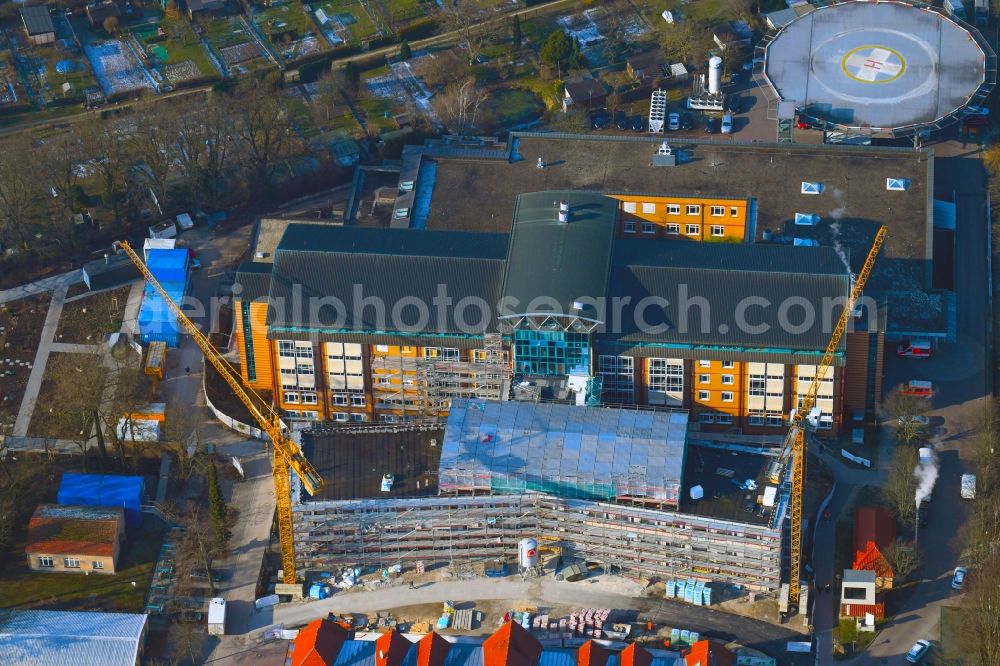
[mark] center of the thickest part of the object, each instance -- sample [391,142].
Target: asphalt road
[960,372]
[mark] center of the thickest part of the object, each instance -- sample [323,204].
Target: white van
[914,349]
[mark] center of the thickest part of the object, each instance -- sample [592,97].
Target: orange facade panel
[256,364]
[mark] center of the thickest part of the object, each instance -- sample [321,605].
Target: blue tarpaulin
[104,490]
[156,321]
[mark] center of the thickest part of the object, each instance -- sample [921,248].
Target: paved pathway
[70,348]
[32,288]
[41,358]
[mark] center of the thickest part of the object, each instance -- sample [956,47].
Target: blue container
[104,490]
[157,321]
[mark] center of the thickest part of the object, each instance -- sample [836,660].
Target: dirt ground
[88,320]
[52,417]
[20,325]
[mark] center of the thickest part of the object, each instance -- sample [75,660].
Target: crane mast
[794,444]
[286,452]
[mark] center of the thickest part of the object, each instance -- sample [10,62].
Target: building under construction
[615,487]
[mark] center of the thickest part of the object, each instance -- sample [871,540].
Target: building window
[629,227]
[248,343]
[308,398]
[71,563]
[718,211]
[728,379]
[757,386]
[728,364]
[97,564]
[303,350]
[357,401]
[45,561]
[718,231]
[340,416]
[725,419]
[673,228]
[286,348]
[649,208]
[359,418]
[704,364]
[693,209]
[704,379]
[628,206]
[382,349]
[692,229]
[291,397]
[648,228]
[727,396]
[706,417]
[673,209]
[618,378]
[666,381]
[310,416]
[384,381]
[756,418]
[775,419]
[338,400]
[704,395]
[431,352]
[734,211]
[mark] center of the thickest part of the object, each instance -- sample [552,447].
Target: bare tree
[152,148]
[459,106]
[900,487]
[106,144]
[468,21]
[687,42]
[20,191]
[905,560]
[902,411]
[203,145]
[263,129]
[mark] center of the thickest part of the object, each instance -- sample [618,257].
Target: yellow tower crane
[794,445]
[286,452]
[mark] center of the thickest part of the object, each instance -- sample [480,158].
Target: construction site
[611,487]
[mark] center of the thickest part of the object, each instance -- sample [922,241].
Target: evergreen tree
[216,503]
[404,50]
[518,37]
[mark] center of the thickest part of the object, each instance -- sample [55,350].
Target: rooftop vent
[806,219]
[897,184]
[812,188]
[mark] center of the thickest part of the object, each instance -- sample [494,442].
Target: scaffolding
[472,531]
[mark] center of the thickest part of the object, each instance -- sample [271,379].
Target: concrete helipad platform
[885,65]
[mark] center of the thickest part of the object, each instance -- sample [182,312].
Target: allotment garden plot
[231,39]
[174,53]
[290,29]
[346,21]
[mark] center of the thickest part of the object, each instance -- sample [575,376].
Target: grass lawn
[80,78]
[22,588]
[348,19]
[508,107]
[225,32]
[403,10]
[375,110]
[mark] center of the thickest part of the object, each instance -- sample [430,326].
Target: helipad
[885,65]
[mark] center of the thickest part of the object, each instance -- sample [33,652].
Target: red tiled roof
[391,649]
[872,559]
[859,610]
[511,645]
[432,650]
[635,655]
[591,654]
[873,524]
[318,643]
[87,532]
[708,653]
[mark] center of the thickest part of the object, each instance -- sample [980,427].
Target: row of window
[649,208]
[716,417]
[344,417]
[300,398]
[718,231]
[704,396]
[68,562]
[293,349]
[707,379]
[342,400]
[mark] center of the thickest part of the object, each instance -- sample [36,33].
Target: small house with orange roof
[318,644]
[874,536]
[708,653]
[511,645]
[75,539]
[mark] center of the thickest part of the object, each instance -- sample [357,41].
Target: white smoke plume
[926,475]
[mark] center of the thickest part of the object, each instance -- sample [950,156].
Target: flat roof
[852,206]
[597,453]
[352,464]
[883,65]
[718,471]
[37,20]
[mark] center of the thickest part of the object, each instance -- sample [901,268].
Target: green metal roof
[254,280]
[560,262]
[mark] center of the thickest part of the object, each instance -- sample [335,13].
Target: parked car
[638,124]
[687,121]
[735,103]
[918,651]
[914,349]
[958,580]
[674,122]
[727,124]
[621,120]
[919,388]
[712,125]
[599,118]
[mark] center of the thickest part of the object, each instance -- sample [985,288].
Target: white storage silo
[527,553]
[714,75]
